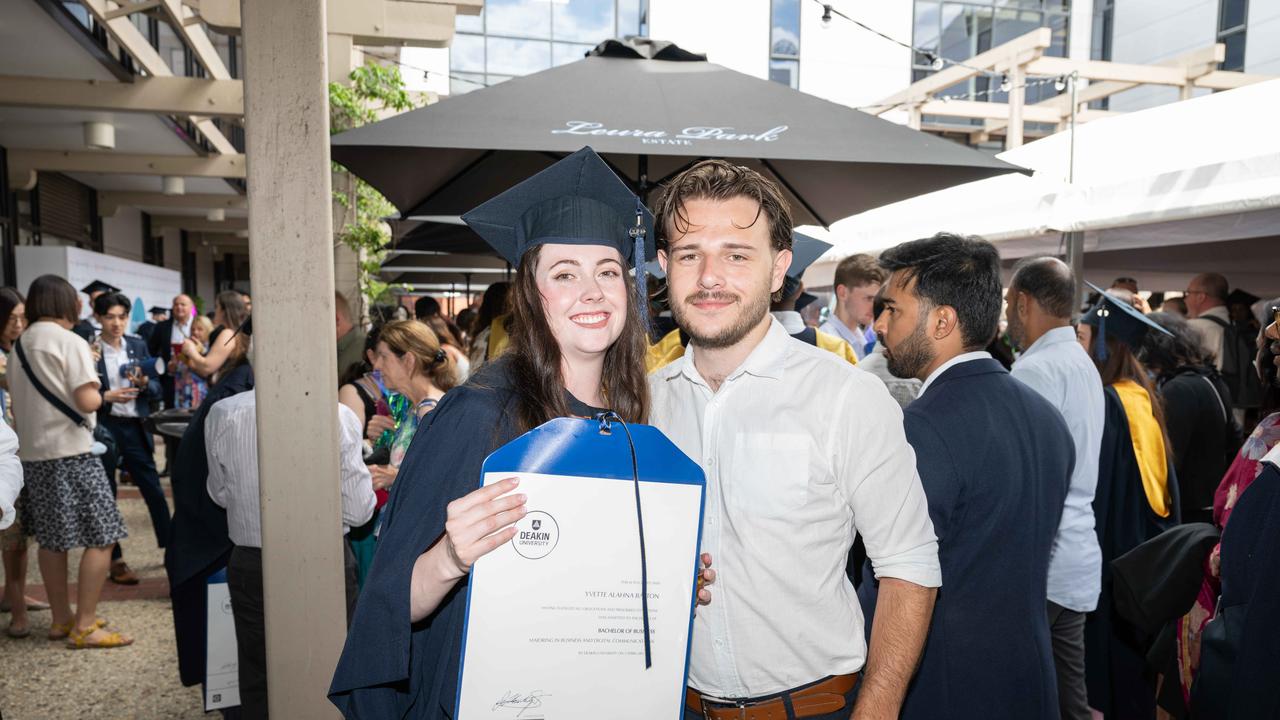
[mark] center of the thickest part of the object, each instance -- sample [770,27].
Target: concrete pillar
[1017,98]
[291,223]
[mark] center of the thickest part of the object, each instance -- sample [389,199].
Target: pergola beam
[1100,70]
[185,22]
[217,166]
[168,95]
[131,39]
[988,110]
[129,8]
[1035,42]
[374,23]
[1228,80]
[196,223]
[109,201]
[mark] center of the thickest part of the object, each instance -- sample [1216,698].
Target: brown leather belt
[824,696]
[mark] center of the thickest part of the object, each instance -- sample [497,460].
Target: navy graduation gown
[390,668]
[1115,668]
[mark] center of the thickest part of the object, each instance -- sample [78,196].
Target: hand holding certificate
[556,622]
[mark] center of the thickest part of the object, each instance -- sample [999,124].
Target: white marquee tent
[1159,194]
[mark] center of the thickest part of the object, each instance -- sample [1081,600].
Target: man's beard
[1015,329]
[750,316]
[912,355]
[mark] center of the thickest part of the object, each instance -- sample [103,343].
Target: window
[510,38]
[784,42]
[1232,18]
[960,29]
[1104,28]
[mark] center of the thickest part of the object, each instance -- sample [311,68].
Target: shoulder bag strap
[75,417]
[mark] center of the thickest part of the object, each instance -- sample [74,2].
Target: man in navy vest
[996,460]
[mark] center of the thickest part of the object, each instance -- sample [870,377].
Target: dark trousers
[841,714]
[244,582]
[1066,629]
[135,455]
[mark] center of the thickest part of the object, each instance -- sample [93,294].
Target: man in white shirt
[857,280]
[231,437]
[1040,300]
[787,487]
[169,334]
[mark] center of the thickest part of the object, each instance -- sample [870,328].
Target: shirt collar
[856,338]
[765,360]
[1056,336]
[961,358]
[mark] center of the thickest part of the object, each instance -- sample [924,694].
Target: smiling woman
[577,347]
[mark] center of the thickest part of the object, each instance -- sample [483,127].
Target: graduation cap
[157,310]
[1116,316]
[577,201]
[99,286]
[1242,297]
[805,300]
[804,251]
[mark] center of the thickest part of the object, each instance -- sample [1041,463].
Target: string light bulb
[935,61]
[826,16]
[1005,85]
[1060,83]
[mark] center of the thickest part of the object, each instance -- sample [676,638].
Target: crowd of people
[961,491]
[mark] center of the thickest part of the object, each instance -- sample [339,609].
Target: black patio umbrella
[436,236]
[652,109]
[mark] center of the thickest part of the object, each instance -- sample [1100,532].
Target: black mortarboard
[1242,297]
[1117,316]
[99,286]
[577,201]
[805,300]
[804,250]
[157,310]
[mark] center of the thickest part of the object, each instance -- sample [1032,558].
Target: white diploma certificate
[555,628]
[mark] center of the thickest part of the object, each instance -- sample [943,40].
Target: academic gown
[1115,669]
[199,545]
[390,668]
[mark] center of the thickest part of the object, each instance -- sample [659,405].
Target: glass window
[469,23]
[586,21]
[966,31]
[1235,51]
[461,82]
[784,37]
[520,18]
[1011,23]
[467,53]
[786,72]
[629,18]
[507,56]
[928,24]
[562,53]
[1232,14]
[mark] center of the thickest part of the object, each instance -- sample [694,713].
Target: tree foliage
[374,91]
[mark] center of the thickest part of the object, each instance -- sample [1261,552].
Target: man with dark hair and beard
[996,460]
[787,487]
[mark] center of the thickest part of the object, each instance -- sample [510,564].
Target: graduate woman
[577,347]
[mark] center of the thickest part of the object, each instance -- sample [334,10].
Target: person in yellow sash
[1136,499]
[805,250]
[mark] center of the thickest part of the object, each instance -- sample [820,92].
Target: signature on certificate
[514,700]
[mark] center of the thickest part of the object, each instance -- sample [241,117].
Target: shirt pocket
[769,475]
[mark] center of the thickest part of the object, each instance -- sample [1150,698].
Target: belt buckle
[706,711]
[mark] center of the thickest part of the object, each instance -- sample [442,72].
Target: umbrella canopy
[652,109]
[436,236]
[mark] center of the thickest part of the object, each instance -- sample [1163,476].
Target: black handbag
[100,433]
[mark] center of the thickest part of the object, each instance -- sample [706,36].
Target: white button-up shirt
[1058,368]
[113,359]
[800,450]
[180,331]
[231,446]
[857,336]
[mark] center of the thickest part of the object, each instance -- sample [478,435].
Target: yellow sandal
[59,631]
[78,639]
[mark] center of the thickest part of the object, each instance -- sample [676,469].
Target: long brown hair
[535,356]
[1122,364]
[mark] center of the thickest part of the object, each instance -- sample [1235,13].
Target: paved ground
[43,680]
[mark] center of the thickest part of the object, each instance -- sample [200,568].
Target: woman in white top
[66,501]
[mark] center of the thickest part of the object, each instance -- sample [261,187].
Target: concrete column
[1017,98]
[291,225]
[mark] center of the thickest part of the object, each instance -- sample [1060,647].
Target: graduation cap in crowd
[804,251]
[97,286]
[157,310]
[1117,316]
[577,201]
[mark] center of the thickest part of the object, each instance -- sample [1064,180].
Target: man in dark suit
[168,333]
[126,375]
[995,459]
[158,315]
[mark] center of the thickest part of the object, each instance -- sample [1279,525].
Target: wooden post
[291,222]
